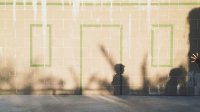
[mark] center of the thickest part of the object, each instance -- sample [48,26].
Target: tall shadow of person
[119,82]
[194,32]
[194,39]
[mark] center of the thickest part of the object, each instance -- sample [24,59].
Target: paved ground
[39,103]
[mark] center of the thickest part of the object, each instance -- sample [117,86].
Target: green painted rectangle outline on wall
[171,44]
[82,26]
[31,46]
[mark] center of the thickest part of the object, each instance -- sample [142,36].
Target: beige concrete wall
[123,31]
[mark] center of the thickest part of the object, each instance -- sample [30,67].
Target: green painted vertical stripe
[50,48]
[152,46]
[121,43]
[171,49]
[81,56]
[31,45]
[121,51]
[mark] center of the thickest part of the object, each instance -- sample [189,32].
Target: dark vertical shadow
[77,90]
[61,84]
[144,77]
[194,38]
[28,89]
[194,35]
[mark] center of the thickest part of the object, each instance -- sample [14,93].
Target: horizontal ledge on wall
[107,3]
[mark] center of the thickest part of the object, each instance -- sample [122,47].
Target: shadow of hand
[196,58]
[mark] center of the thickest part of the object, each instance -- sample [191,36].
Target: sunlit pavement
[73,103]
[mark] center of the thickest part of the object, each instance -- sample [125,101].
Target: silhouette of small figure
[171,86]
[119,82]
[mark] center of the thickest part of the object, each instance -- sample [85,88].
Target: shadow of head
[194,21]
[174,73]
[119,68]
